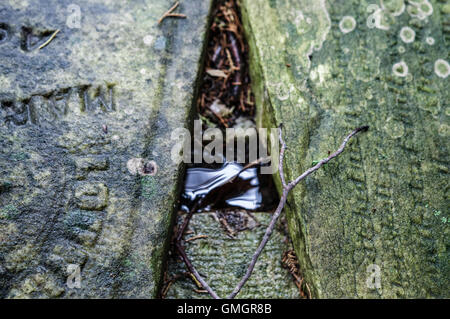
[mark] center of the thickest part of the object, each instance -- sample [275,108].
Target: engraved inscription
[54,105]
[32,38]
[5,32]
[91,196]
[84,165]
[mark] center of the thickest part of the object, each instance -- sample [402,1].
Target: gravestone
[89,95]
[373,223]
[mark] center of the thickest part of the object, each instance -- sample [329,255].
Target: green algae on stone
[9,212]
[372,205]
[109,87]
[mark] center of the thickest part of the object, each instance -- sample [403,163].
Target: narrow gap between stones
[232,216]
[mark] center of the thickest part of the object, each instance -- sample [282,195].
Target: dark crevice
[224,99]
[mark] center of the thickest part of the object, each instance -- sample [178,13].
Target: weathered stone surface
[385,200]
[224,259]
[111,86]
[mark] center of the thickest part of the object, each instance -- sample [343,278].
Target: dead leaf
[216,73]
[220,109]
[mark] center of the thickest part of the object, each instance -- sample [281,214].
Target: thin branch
[329,158]
[196,237]
[182,252]
[250,165]
[263,243]
[286,189]
[43,45]
[170,14]
[182,228]
[195,272]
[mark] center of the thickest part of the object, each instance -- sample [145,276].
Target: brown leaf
[216,73]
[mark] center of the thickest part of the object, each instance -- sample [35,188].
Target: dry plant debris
[290,262]
[226,79]
[170,14]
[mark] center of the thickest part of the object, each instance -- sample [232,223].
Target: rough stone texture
[71,116]
[385,200]
[224,260]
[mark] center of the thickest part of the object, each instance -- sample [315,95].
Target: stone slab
[110,86]
[323,68]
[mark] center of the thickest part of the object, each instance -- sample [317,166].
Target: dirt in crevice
[225,93]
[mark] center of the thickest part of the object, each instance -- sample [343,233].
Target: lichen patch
[347,24]
[400,69]
[441,68]
[407,35]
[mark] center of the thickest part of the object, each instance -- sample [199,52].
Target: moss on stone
[71,115]
[369,205]
[224,261]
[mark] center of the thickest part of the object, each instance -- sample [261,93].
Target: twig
[49,39]
[287,187]
[166,289]
[254,218]
[182,252]
[199,285]
[249,165]
[168,283]
[222,220]
[196,237]
[309,291]
[329,158]
[194,271]
[200,291]
[170,14]
[180,231]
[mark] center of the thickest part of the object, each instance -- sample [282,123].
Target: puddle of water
[219,188]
